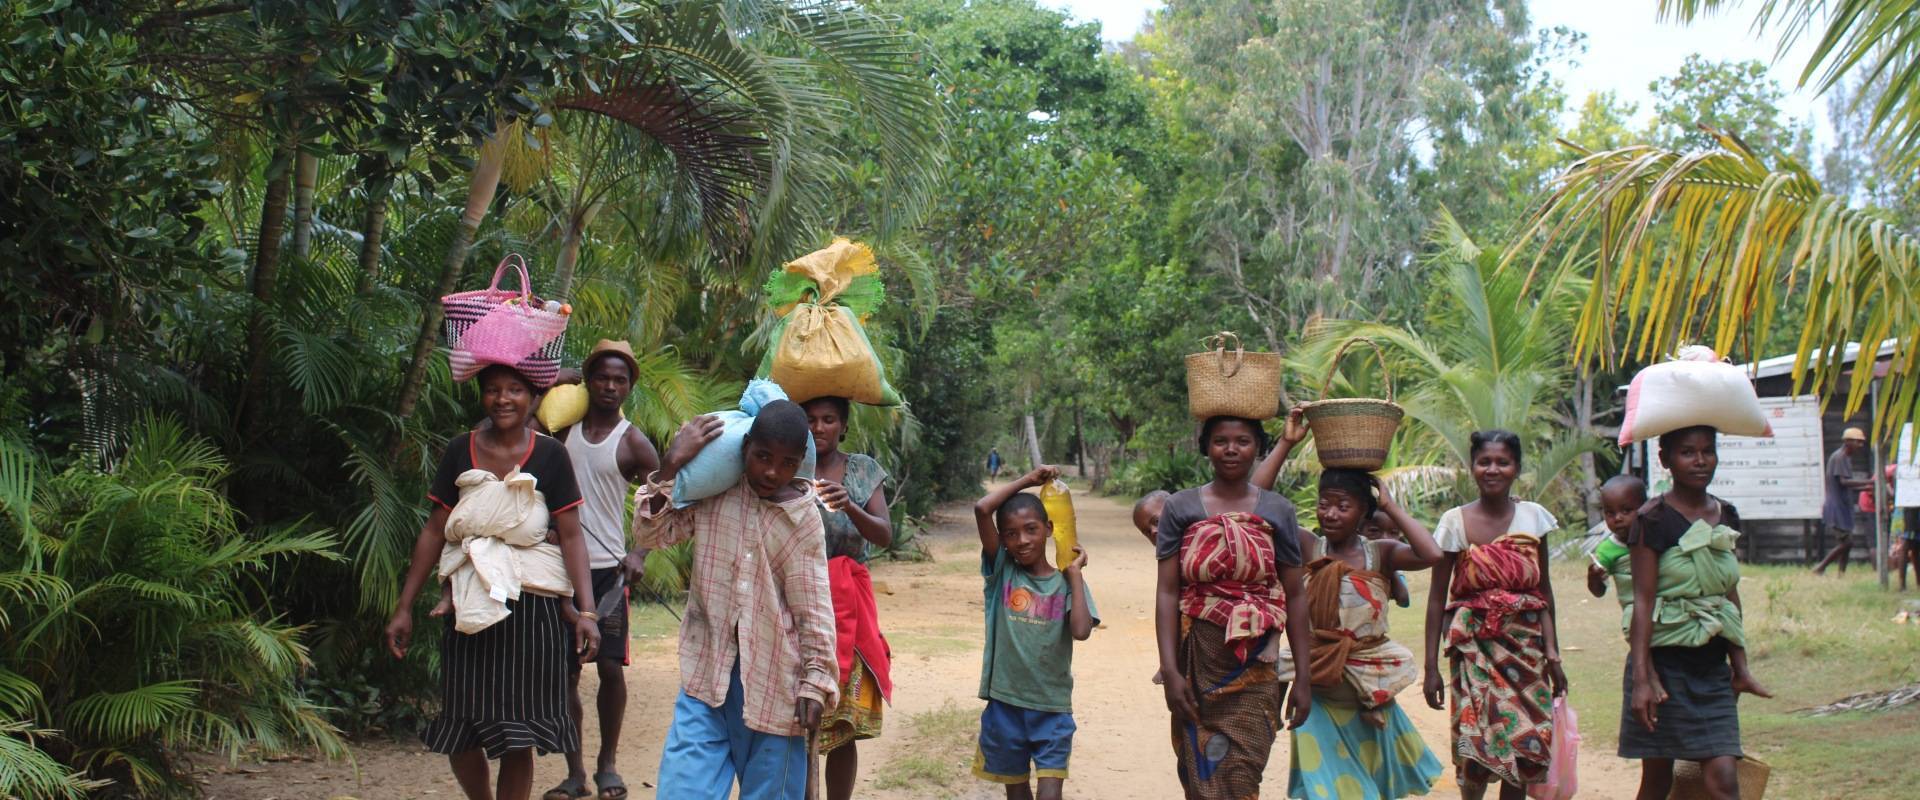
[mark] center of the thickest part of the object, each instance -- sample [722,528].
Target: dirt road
[932,614]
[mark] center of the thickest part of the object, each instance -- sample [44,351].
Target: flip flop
[569,789]
[611,787]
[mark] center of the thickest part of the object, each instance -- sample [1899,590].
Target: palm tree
[1881,37]
[753,105]
[1709,245]
[1493,356]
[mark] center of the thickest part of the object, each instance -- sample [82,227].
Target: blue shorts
[1012,738]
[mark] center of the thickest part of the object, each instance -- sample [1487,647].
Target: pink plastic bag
[1562,779]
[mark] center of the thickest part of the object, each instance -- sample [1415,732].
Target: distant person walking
[993,463]
[1842,485]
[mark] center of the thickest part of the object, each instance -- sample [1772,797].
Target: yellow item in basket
[1057,499]
[563,407]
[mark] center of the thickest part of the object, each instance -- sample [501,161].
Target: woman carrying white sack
[1686,663]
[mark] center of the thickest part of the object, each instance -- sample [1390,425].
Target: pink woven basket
[497,326]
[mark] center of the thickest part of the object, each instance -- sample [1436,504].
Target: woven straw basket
[1354,433]
[1689,785]
[1233,384]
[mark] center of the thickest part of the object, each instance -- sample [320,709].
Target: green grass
[1811,641]
[938,759]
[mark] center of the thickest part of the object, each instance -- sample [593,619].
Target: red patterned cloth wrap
[857,623]
[1497,579]
[1228,577]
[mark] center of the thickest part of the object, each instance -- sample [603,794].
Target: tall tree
[1313,108]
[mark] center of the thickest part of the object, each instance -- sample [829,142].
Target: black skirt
[1701,717]
[505,688]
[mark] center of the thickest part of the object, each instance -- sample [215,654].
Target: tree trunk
[1033,438]
[1079,444]
[266,273]
[486,180]
[306,173]
[1589,469]
[372,236]
[569,258]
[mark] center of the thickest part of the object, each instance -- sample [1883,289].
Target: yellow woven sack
[822,352]
[819,348]
[1057,499]
[563,407]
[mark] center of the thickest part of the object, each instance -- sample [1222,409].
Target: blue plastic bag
[720,464]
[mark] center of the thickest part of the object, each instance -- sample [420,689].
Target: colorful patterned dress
[865,661]
[1502,703]
[1338,754]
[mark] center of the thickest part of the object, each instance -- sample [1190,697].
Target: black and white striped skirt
[505,688]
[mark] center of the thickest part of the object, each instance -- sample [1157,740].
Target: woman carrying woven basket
[505,506]
[1230,584]
[1491,611]
[1356,670]
[1686,664]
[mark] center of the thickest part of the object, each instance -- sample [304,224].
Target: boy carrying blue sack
[757,664]
[1034,615]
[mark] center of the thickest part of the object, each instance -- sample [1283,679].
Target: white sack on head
[1696,388]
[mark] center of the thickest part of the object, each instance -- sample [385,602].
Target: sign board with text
[1767,478]
[1906,473]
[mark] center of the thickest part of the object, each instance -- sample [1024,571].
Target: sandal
[569,789]
[611,787]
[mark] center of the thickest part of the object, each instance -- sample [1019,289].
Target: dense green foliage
[231,222]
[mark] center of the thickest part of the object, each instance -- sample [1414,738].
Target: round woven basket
[1688,784]
[1233,384]
[1354,433]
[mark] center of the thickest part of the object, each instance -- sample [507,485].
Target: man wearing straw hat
[1842,485]
[609,455]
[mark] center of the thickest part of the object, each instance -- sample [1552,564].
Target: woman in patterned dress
[854,498]
[1231,582]
[1491,612]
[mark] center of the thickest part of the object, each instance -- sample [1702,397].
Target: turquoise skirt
[1339,756]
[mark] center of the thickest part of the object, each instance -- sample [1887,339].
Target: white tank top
[603,493]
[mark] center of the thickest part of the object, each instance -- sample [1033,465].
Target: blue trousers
[707,748]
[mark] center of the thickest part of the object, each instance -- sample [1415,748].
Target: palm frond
[17,467]
[1708,246]
[124,716]
[27,770]
[1878,38]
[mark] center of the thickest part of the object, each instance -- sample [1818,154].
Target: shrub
[132,623]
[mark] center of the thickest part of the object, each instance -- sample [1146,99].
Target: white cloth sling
[497,548]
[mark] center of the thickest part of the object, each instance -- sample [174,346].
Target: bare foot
[443,608]
[1373,716]
[1744,682]
[1157,679]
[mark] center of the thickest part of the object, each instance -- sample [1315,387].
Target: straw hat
[1853,435]
[613,347]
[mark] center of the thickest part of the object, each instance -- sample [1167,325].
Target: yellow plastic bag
[1057,499]
[563,407]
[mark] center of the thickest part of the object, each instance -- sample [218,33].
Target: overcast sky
[1627,46]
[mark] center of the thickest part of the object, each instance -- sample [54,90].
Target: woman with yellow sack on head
[822,359]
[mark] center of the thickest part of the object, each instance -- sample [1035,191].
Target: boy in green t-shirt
[1034,614]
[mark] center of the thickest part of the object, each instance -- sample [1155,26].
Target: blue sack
[720,464]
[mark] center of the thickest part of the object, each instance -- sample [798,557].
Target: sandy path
[933,618]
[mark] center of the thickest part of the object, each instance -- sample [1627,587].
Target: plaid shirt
[758,595]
